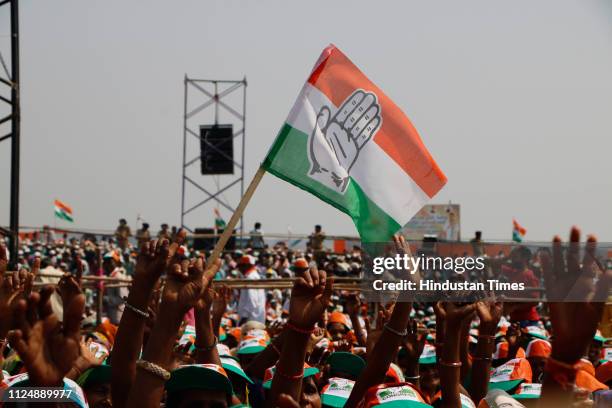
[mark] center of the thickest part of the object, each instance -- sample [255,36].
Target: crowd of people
[174,334]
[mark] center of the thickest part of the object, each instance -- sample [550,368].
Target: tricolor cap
[585,365]
[339,317]
[345,364]
[395,373]
[466,402]
[199,377]
[537,332]
[222,334]
[252,346]
[401,395]
[223,350]
[256,334]
[269,374]
[95,375]
[586,381]
[528,391]
[76,392]
[499,399]
[502,350]
[538,348]
[188,336]
[232,366]
[428,356]
[336,392]
[509,375]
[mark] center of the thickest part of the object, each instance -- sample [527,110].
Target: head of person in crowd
[96,385]
[338,325]
[122,222]
[145,226]
[199,385]
[520,257]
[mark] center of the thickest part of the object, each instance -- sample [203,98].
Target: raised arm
[184,284]
[574,323]
[150,264]
[309,298]
[489,314]
[448,362]
[387,345]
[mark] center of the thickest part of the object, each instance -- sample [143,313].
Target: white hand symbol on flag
[337,139]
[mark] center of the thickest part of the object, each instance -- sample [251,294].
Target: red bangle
[289,377]
[299,329]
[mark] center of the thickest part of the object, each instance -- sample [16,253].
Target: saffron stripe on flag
[337,77]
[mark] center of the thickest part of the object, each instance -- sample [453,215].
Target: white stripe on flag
[383,181]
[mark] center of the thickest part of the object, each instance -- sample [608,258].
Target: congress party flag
[63,211]
[347,143]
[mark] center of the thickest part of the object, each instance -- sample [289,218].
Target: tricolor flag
[219,221]
[518,232]
[63,211]
[347,143]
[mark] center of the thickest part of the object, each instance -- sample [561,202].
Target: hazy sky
[513,99]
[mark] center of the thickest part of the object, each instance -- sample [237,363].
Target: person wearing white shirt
[252,302]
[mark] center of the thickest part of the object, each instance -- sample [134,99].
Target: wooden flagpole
[229,228]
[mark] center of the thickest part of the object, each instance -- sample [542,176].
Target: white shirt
[252,303]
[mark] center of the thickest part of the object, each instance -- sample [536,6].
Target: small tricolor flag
[518,232]
[63,211]
[219,221]
[348,144]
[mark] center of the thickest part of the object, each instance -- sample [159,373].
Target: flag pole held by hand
[229,228]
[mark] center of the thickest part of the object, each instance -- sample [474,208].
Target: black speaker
[217,149]
[208,243]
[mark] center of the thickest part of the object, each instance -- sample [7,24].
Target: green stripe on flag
[63,215]
[288,160]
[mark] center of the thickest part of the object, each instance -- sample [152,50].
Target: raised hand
[30,276]
[339,137]
[222,297]
[152,261]
[85,360]
[414,342]
[47,346]
[10,292]
[568,275]
[353,304]
[68,288]
[309,298]
[184,285]
[489,313]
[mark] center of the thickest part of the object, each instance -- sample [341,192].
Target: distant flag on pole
[219,221]
[518,232]
[63,211]
[348,144]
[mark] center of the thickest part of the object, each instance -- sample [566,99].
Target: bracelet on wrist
[402,333]
[207,348]
[136,310]
[299,329]
[154,369]
[454,364]
[294,377]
